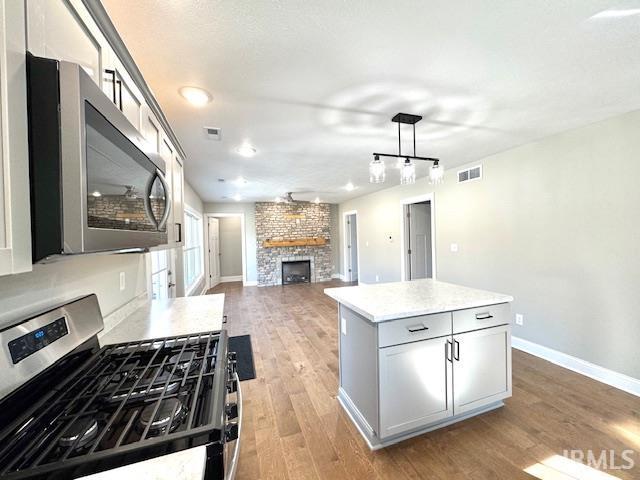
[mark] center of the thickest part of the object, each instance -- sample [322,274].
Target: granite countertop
[165,318]
[184,465]
[386,301]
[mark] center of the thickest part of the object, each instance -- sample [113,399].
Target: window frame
[186,248]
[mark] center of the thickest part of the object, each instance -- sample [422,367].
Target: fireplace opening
[298,271]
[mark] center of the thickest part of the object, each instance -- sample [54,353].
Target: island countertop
[387,301]
[170,317]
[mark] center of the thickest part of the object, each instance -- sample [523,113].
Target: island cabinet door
[415,385]
[481,368]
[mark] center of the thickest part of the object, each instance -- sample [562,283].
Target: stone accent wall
[285,221]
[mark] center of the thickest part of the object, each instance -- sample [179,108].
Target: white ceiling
[312,85]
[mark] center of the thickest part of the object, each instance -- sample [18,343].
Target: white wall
[48,285]
[248,210]
[230,247]
[554,223]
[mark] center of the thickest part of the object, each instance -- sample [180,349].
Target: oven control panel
[29,343]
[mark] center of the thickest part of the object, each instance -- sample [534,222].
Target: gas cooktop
[95,409]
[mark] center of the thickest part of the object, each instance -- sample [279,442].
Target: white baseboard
[231,278]
[252,283]
[609,377]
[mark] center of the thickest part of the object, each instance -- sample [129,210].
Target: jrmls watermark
[603,459]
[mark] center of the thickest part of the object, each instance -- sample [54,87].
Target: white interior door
[353,246]
[415,385]
[214,252]
[162,283]
[419,245]
[482,368]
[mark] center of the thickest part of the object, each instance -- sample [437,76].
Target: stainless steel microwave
[95,186]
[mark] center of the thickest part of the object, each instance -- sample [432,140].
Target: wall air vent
[473,173]
[213,133]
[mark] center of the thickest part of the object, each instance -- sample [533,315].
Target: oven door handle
[231,473]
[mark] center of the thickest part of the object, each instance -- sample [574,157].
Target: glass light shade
[376,171]
[436,174]
[408,173]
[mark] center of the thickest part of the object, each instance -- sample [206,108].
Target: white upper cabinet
[120,88]
[150,130]
[15,226]
[177,178]
[62,29]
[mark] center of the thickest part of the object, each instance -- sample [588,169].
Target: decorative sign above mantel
[294,216]
[298,242]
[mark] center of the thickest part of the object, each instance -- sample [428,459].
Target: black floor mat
[244,356]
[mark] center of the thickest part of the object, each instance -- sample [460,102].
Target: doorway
[161,267]
[213,229]
[418,253]
[226,248]
[351,246]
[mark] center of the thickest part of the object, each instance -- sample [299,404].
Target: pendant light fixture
[408,166]
[376,170]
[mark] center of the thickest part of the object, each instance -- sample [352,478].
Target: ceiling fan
[288,198]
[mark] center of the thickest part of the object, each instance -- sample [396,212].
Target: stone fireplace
[297,232]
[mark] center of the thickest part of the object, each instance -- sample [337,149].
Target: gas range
[82,409]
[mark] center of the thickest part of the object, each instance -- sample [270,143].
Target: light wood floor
[294,427]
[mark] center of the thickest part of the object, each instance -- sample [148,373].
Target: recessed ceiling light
[349,187]
[237,197]
[195,96]
[617,13]
[246,150]
[240,182]
[278,199]
[96,194]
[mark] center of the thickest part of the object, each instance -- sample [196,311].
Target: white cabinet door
[15,225]
[482,368]
[177,180]
[415,385]
[62,29]
[150,130]
[120,88]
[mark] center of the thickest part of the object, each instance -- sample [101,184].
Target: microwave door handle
[147,200]
[167,197]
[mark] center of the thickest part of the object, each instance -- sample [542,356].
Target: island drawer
[405,330]
[481,317]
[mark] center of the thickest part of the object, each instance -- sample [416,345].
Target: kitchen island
[416,356]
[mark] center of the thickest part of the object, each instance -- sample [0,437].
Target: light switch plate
[343,326]
[122,281]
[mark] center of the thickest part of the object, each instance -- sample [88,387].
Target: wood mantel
[298,242]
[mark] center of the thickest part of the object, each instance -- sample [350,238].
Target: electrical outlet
[454,247]
[122,281]
[519,319]
[343,326]
[377,278]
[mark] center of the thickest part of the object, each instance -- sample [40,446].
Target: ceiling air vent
[473,173]
[213,133]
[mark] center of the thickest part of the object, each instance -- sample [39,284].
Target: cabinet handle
[483,316]
[179,225]
[447,351]
[119,82]
[417,328]
[456,350]
[224,319]
[113,84]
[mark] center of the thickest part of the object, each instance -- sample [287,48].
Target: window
[159,275]
[193,250]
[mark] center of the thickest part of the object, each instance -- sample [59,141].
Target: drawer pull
[483,316]
[417,328]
